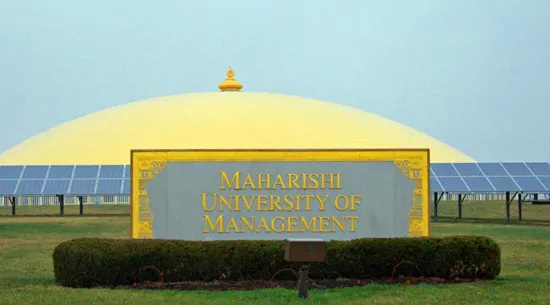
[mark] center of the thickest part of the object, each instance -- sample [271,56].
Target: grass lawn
[26,276]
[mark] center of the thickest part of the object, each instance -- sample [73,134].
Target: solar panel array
[105,180]
[79,180]
[527,177]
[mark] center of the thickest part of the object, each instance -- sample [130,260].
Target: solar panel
[504,184]
[85,171]
[7,187]
[444,170]
[10,171]
[61,171]
[444,177]
[109,187]
[529,184]
[453,184]
[468,169]
[435,186]
[126,187]
[540,169]
[478,184]
[30,187]
[35,172]
[111,171]
[56,187]
[83,187]
[546,182]
[517,169]
[492,169]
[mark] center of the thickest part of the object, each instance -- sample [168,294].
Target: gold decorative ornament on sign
[230,83]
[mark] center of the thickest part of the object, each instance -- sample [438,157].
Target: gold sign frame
[145,164]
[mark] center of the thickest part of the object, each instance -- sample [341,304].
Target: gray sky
[470,73]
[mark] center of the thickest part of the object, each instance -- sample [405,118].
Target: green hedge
[112,262]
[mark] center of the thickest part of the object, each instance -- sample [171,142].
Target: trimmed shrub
[90,262]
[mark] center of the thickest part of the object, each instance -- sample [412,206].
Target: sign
[279,194]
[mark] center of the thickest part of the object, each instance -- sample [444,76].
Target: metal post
[508,207]
[459,206]
[520,203]
[61,199]
[80,202]
[303,282]
[13,204]
[436,203]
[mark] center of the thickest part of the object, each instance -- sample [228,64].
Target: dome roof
[219,120]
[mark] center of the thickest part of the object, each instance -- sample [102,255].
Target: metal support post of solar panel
[60,181]
[516,180]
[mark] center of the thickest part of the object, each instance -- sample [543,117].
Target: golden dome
[219,120]
[230,83]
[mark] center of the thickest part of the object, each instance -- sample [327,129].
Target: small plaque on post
[305,250]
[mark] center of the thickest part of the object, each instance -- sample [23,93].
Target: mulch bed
[313,284]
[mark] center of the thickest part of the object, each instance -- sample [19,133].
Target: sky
[472,73]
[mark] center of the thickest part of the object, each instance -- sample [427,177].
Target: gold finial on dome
[230,83]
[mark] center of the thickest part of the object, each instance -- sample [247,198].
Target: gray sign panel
[279,200]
